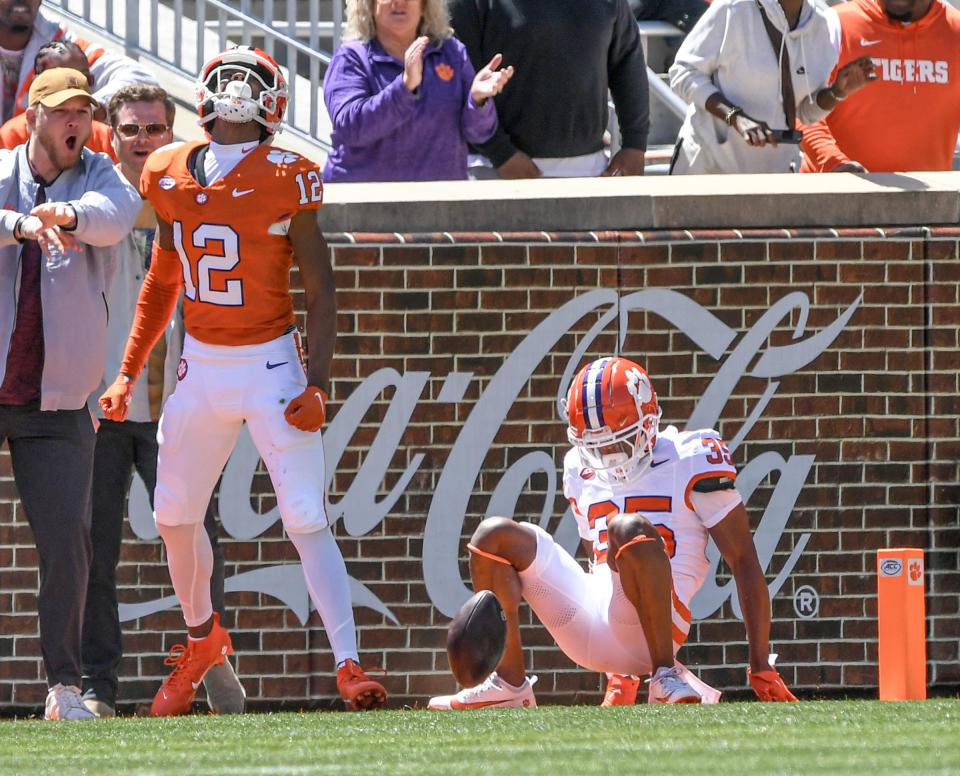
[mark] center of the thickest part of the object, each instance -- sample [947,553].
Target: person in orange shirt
[909,118]
[59,53]
[233,215]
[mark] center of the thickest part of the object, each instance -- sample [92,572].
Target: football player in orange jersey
[233,215]
[645,502]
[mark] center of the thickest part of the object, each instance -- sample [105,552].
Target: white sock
[190,560]
[329,588]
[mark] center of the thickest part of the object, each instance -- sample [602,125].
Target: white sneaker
[225,693]
[492,692]
[66,702]
[667,686]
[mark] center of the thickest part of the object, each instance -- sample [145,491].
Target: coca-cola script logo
[738,354]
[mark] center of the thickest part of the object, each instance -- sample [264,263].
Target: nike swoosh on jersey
[654,464]
[274,366]
[241,192]
[865,43]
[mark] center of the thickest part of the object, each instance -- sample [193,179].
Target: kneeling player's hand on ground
[307,411]
[769,685]
[115,401]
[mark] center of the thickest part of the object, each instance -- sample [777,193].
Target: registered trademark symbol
[806,602]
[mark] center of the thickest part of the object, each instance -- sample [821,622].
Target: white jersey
[662,493]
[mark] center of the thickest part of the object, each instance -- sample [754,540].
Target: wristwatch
[731,115]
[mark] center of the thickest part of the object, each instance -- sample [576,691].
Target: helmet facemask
[221,95]
[619,456]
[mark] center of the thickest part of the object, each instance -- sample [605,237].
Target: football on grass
[476,638]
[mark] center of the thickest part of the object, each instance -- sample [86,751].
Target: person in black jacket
[566,54]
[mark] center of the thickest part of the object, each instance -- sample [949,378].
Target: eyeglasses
[130,131]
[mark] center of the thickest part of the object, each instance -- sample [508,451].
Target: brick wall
[877,410]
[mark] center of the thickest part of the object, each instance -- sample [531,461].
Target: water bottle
[56,258]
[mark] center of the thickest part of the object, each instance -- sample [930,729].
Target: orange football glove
[308,411]
[115,401]
[769,685]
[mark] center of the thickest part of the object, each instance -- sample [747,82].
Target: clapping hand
[413,63]
[489,81]
[854,76]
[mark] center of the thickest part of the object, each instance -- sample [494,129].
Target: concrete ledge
[688,202]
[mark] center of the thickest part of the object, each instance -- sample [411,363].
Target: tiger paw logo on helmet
[242,84]
[613,417]
[638,383]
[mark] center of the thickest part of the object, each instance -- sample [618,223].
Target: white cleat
[225,693]
[65,702]
[668,686]
[491,693]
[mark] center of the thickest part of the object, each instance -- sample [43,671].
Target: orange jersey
[16,132]
[909,117]
[231,239]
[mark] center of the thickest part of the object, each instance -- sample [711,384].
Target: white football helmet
[219,95]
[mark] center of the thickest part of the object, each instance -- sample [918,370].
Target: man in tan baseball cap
[57,85]
[60,118]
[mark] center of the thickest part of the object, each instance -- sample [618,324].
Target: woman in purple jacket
[403,97]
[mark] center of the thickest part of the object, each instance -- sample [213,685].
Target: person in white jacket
[729,70]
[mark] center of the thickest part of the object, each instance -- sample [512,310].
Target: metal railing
[182,34]
[161,32]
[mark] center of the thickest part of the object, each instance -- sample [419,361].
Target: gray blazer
[73,289]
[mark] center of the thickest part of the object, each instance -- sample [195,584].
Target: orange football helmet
[613,417]
[219,96]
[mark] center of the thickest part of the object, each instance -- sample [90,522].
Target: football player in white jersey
[646,501]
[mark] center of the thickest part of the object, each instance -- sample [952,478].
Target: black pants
[121,448]
[52,457]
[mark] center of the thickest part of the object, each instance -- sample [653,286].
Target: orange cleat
[769,686]
[621,690]
[359,691]
[190,665]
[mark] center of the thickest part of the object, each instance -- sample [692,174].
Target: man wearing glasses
[141,120]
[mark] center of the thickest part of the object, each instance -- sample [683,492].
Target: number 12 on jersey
[311,189]
[205,238]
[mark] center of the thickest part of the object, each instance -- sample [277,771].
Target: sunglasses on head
[130,131]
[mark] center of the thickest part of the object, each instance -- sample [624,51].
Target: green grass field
[851,737]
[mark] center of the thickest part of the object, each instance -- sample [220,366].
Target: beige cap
[57,85]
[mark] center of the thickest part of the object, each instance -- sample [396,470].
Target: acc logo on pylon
[891,567]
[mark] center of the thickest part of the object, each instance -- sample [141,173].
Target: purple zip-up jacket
[382,132]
